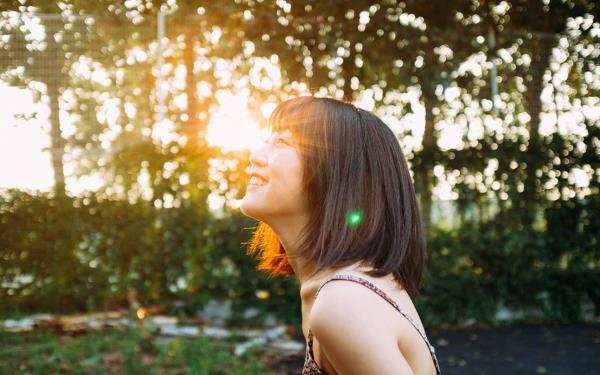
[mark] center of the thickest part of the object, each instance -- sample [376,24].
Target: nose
[257,157]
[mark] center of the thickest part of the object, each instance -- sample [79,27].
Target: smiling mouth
[256,181]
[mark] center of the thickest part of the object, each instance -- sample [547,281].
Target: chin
[247,209]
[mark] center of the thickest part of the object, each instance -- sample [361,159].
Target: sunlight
[23,164]
[231,127]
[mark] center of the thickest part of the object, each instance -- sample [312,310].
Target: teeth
[256,181]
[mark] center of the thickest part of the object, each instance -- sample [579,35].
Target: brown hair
[359,188]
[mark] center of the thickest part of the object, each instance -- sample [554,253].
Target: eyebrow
[282,132]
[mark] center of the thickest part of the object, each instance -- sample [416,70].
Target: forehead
[300,118]
[290,116]
[285,132]
[281,130]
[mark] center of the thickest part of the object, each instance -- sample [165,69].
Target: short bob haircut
[363,204]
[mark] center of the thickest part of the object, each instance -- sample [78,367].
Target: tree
[48,61]
[537,25]
[352,45]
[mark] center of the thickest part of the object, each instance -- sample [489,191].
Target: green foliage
[73,254]
[474,269]
[84,254]
[124,352]
[87,253]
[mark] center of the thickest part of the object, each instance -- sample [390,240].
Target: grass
[120,352]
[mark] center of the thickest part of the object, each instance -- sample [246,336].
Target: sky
[25,164]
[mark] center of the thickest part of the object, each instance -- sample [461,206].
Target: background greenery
[123,352]
[527,234]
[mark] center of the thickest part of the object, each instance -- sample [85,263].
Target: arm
[344,321]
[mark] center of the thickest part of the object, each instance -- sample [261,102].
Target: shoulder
[353,332]
[346,302]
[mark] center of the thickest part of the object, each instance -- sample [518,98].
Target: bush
[84,253]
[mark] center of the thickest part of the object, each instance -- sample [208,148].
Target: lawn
[120,352]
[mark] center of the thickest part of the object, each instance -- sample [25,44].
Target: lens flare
[355,218]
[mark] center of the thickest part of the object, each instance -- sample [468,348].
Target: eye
[279,139]
[266,140]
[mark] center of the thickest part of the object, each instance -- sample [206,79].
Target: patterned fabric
[311,367]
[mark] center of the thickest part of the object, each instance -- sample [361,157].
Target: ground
[517,349]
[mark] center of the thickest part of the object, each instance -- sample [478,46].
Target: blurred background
[126,128]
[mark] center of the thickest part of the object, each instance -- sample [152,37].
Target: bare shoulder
[339,299]
[353,331]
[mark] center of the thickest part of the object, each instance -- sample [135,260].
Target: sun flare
[231,127]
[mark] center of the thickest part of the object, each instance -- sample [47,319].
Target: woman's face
[280,194]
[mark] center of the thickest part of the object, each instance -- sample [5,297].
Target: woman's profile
[336,207]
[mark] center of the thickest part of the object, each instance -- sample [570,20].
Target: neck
[289,232]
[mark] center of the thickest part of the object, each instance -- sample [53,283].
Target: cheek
[286,172]
[283,194]
[286,175]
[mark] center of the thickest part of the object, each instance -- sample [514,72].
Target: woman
[334,198]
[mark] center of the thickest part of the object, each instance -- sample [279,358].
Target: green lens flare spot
[355,218]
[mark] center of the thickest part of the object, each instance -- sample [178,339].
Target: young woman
[335,202]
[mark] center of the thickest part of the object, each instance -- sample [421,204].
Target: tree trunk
[57,143]
[347,72]
[196,149]
[540,58]
[424,173]
[191,126]
[348,67]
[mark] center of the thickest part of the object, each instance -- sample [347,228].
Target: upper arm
[348,330]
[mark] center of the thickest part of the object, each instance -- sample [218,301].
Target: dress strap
[381,293]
